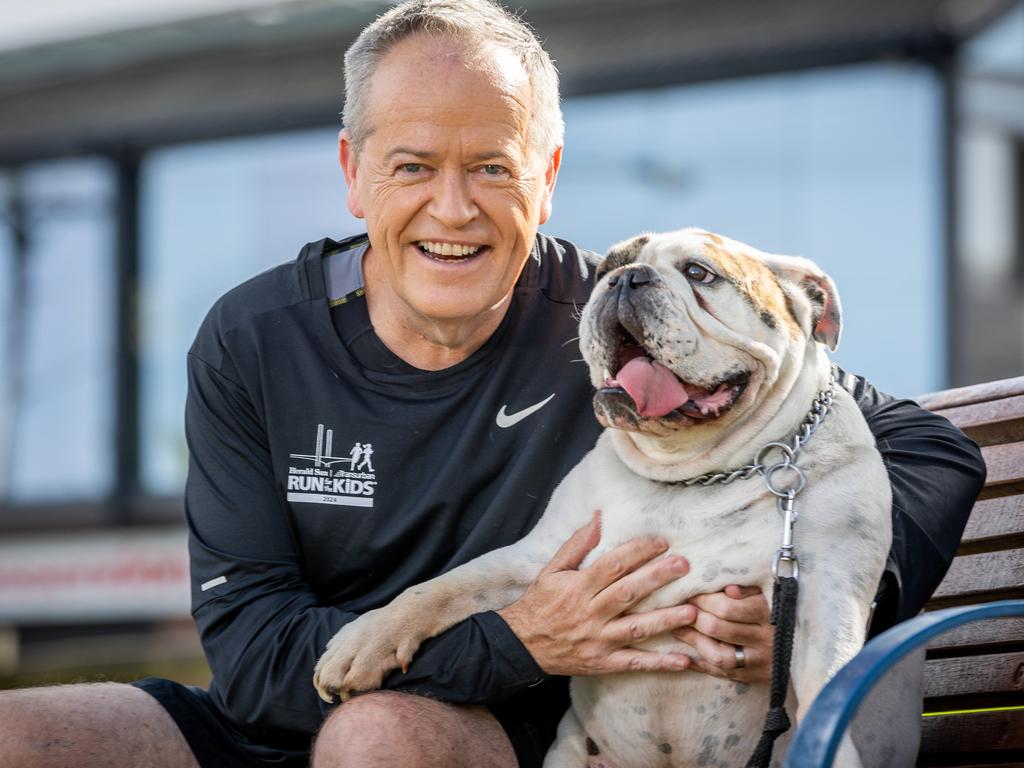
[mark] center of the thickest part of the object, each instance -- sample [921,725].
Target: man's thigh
[389,728]
[99,725]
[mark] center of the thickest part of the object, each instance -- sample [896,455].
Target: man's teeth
[448,249]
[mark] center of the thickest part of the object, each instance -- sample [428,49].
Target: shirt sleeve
[261,624]
[936,472]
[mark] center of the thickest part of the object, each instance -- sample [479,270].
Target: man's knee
[374,724]
[100,724]
[389,728]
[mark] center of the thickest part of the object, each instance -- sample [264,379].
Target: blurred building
[153,154]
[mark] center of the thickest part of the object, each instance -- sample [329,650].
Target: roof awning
[243,72]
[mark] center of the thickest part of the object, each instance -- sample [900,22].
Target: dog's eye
[699,273]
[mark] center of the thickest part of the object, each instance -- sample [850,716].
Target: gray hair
[479,23]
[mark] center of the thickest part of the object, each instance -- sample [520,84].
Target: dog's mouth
[657,392]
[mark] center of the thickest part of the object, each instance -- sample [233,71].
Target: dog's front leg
[366,649]
[831,626]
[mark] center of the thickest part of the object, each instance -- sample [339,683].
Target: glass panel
[63,419]
[839,165]
[999,49]
[215,214]
[990,202]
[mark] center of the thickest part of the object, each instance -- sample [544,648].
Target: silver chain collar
[785,492]
[790,449]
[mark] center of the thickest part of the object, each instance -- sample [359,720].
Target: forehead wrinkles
[758,284]
[448,81]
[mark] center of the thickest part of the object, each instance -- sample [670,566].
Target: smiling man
[442,344]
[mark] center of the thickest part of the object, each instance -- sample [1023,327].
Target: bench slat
[981,578]
[988,423]
[995,673]
[994,524]
[978,638]
[976,393]
[980,732]
[1005,470]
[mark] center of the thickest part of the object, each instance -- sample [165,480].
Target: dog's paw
[361,653]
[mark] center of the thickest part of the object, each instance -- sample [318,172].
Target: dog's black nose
[635,276]
[639,276]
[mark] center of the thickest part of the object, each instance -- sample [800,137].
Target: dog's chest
[728,533]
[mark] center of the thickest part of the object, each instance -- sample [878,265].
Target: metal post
[126,389]
[955,296]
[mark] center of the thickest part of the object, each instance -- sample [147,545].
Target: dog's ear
[805,277]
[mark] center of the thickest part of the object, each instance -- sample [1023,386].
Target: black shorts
[530,719]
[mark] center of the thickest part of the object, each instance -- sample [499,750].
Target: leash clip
[785,556]
[792,562]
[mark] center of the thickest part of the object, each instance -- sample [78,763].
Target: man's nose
[452,203]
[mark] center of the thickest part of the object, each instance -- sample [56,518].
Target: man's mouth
[450,253]
[657,391]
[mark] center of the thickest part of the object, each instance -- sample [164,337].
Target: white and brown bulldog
[702,350]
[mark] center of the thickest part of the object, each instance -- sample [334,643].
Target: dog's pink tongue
[653,387]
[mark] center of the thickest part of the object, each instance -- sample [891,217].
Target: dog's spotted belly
[642,719]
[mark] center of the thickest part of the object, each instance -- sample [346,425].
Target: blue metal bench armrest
[817,739]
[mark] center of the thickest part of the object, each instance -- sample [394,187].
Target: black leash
[776,722]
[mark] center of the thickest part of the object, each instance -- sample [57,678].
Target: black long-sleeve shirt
[327,475]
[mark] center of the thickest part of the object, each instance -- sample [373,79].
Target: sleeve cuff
[508,644]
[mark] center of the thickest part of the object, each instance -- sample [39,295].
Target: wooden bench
[981,666]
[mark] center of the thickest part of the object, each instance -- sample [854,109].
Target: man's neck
[425,343]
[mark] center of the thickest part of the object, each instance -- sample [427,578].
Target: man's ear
[550,177]
[350,167]
[805,276]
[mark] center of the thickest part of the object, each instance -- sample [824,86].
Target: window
[59,431]
[215,214]
[990,242]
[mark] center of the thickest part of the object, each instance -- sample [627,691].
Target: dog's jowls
[701,350]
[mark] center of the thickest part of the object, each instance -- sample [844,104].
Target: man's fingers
[639,576]
[732,632]
[639,626]
[737,592]
[719,659]
[752,609]
[625,558]
[633,660]
[578,546]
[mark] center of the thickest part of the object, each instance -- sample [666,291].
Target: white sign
[121,575]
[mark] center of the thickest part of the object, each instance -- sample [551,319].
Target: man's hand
[573,620]
[735,618]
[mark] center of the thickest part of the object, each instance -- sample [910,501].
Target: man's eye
[492,169]
[411,167]
[699,273]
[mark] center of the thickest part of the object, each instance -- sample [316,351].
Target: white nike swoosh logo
[506,420]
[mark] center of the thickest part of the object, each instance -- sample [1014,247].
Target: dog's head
[690,331]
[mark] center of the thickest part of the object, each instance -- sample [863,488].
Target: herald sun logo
[325,482]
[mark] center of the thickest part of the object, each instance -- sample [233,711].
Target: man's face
[449,185]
